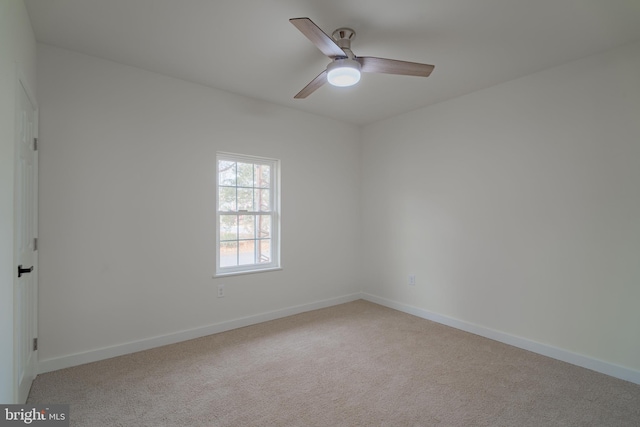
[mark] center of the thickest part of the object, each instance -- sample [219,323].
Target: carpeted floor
[355,364]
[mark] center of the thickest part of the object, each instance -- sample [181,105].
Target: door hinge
[35,243]
[35,344]
[35,144]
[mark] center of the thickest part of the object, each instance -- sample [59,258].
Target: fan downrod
[343,37]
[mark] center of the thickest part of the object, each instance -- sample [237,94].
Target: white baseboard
[76,359]
[606,368]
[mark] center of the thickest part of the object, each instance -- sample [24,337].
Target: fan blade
[371,64]
[318,37]
[311,87]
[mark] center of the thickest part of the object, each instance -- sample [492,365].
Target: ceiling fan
[345,67]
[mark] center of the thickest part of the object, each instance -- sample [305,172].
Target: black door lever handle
[22,271]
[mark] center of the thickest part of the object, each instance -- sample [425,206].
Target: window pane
[227,173]
[228,227]
[262,201]
[262,176]
[264,251]
[247,202]
[245,175]
[245,199]
[228,254]
[264,227]
[247,227]
[227,200]
[247,252]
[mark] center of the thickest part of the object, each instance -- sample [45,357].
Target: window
[248,217]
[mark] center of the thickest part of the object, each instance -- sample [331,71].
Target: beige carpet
[356,364]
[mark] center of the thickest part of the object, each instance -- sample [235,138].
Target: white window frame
[274,203]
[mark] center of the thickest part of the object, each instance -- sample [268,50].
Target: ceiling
[248,46]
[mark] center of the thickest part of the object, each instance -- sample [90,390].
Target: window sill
[238,273]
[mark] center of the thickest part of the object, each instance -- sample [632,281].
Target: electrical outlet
[220,291]
[412,280]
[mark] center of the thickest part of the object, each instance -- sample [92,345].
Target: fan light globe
[343,72]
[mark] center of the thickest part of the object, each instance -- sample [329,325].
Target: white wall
[17,55]
[127,207]
[517,207]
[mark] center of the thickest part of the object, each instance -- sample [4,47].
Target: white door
[25,231]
